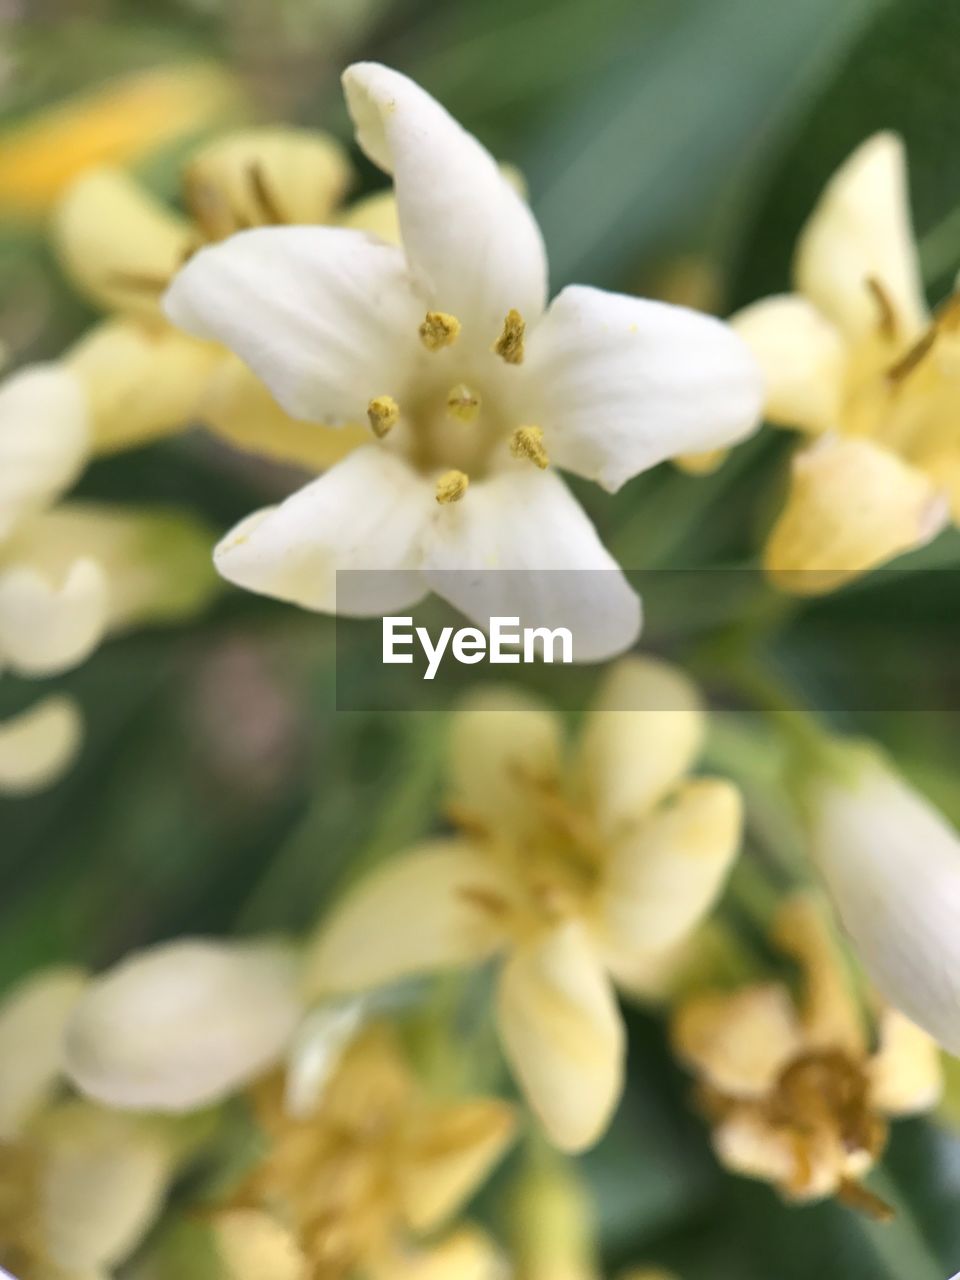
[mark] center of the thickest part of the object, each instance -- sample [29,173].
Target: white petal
[563,1035]
[45,629]
[906,1076]
[520,545]
[182,1025]
[739,1041]
[803,358]
[104,1180]
[619,384]
[365,518]
[860,232]
[43,439]
[641,736]
[892,865]
[32,1021]
[470,238]
[325,316]
[38,745]
[419,912]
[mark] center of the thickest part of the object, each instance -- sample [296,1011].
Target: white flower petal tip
[471,240]
[182,1025]
[320,1043]
[39,745]
[627,383]
[45,629]
[892,865]
[33,1017]
[44,435]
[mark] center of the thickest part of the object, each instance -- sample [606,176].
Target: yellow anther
[451,486]
[509,346]
[439,330]
[527,442]
[384,414]
[462,403]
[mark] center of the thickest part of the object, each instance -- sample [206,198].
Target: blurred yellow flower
[854,358]
[577,875]
[79,1185]
[117,123]
[347,1185]
[794,1092]
[121,248]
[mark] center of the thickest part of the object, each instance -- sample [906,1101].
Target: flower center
[20,1245]
[457,420]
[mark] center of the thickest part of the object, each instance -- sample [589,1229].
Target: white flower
[470,385]
[892,864]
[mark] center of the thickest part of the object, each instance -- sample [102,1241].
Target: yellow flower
[79,1185]
[121,248]
[854,358]
[347,1186]
[795,1094]
[116,123]
[577,875]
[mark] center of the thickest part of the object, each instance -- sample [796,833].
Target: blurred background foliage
[672,147]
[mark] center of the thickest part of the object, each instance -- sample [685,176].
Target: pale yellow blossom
[795,1094]
[855,359]
[574,872]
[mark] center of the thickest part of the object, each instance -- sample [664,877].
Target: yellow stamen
[509,346]
[451,486]
[439,330]
[462,403]
[527,442]
[384,414]
[887,315]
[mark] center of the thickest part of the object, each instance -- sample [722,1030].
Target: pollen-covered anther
[509,346]
[451,486]
[383,414]
[527,442]
[462,403]
[439,329]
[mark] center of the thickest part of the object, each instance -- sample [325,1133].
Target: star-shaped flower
[576,873]
[855,359]
[472,387]
[796,1095]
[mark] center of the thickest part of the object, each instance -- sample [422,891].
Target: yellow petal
[468,1254]
[906,1075]
[563,1035]
[117,123]
[38,745]
[943,467]
[270,176]
[450,1152]
[504,745]
[376,214]
[104,1180]
[665,874]
[803,358]
[860,232]
[253,1246]
[434,907]
[44,436]
[238,407]
[119,245]
[33,1017]
[640,738]
[156,562]
[852,506]
[143,381]
[749,1145]
[701,464]
[46,626]
[829,1010]
[739,1041]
